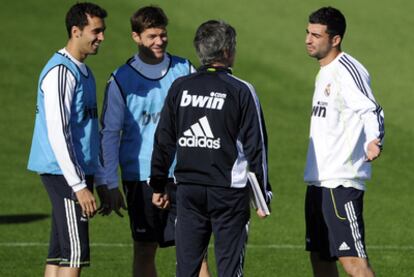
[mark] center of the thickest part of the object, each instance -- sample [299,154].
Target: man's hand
[160,200]
[87,202]
[103,194]
[116,201]
[373,150]
[111,200]
[260,213]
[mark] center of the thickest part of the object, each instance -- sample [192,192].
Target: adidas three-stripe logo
[344,247]
[199,135]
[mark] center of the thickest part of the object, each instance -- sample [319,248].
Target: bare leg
[51,270]
[204,272]
[144,259]
[322,268]
[69,271]
[356,267]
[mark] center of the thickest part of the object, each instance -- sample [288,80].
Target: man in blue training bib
[65,144]
[133,101]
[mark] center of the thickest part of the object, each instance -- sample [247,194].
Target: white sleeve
[361,100]
[192,69]
[112,121]
[58,88]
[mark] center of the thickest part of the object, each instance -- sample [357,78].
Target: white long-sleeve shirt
[345,118]
[54,81]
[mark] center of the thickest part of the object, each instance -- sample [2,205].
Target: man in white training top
[346,133]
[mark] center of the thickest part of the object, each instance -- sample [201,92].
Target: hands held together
[161,200]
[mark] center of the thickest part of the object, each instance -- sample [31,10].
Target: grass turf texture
[271,55]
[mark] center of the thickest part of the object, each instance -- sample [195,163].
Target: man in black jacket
[213,124]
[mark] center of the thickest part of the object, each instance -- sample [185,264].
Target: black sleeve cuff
[158,184]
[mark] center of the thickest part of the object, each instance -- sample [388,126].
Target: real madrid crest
[327,90]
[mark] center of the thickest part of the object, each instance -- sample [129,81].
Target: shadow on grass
[21,218]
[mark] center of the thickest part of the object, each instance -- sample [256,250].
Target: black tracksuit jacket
[214,124]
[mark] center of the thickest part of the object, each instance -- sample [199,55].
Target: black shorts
[334,223]
[69,236]
[147,222]
[206,210]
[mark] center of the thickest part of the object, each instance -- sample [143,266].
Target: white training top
[344,119]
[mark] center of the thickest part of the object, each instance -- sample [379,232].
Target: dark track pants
[203,210]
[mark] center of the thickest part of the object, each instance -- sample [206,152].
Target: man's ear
[75,32]
[136,37]
[336,41]
[228,54]
[229,57]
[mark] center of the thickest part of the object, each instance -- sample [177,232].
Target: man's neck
[219,64]
[74,51]
[330,57]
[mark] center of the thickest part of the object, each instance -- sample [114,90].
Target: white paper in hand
[256,197]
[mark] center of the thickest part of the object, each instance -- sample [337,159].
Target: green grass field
[271,55]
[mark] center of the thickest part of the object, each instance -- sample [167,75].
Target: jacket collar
[210,68]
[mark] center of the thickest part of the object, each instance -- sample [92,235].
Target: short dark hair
[78,15]
[148,17]
[212,39]
[332,18]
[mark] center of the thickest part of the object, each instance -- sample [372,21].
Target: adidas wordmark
[199,135]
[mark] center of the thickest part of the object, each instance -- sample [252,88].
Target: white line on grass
[257,246]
